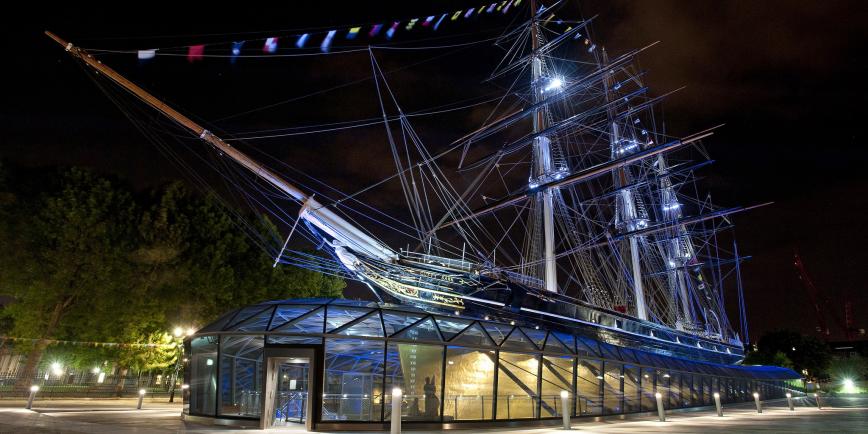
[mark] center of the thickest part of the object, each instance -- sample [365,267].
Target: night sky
[788,78]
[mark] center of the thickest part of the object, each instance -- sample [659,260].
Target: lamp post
[565,400]
[179,334]
[33,389]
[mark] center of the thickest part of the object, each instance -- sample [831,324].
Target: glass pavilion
[332,364]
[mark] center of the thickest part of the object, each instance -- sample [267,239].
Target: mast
[344,233]
[542,154]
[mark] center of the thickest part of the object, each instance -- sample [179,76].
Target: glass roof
[308,320]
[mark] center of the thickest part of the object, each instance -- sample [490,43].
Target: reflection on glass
[589,376]
[352,387]
[557,375]
[203,378]
[240,375]
[416,369]
[612,393]
[631,388]
[675,390]
[469,384]
[648,400]
[517,386]
[663,381]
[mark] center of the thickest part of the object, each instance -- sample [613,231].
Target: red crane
[821,301]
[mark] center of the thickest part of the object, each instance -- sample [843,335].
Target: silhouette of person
[432,404]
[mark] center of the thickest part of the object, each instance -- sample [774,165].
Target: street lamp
[179,334]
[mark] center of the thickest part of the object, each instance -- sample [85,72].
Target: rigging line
[340,86]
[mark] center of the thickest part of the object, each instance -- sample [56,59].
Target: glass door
[290,390]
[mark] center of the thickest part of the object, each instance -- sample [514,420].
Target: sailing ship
[602,233]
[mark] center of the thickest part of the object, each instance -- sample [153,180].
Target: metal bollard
[565,409]
[759,406]
[396,410]
[817,397]
[790,401]
[661,412]
[141,397]
[33,389]
[717,404]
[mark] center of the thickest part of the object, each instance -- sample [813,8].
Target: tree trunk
[26,377]
[122,379]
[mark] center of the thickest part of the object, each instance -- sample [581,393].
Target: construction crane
[821,304]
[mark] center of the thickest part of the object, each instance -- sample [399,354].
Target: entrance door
[288,383]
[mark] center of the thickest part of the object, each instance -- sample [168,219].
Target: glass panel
[417,370]
[568,340]
[473,336]
[588,378]
[686,390]
[587,347]
[648,400]
[536,336]
[424,331]
[707,398]
[451,326]
[241,375]
[340,315]
[286,313]
[557,375]
[613,394]
[518,341]
[245,314]
[469,384]
[353,382]
[290,392]
[517,386]
[663,381]
[632,389]
[498,332]
[370,326]
[553,344]
[203,378]
[292,340]
[397,321]
[675,390]
[610,351]
[258,322]
[308,323]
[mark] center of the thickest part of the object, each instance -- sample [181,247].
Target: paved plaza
[839,415]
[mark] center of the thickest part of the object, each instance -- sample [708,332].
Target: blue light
[301,40]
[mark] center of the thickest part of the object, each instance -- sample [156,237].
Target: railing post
[396,410]
[33,389]
[790,401]
[759,406]
[565,401]
[141,397]
[717,404]
[661,412]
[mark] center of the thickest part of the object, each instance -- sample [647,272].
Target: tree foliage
[87,259]
[793,350]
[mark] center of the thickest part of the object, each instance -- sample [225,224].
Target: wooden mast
[184,121]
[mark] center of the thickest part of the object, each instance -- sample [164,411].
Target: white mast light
[555,83]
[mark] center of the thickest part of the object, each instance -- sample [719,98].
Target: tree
[68,254]
[806,353]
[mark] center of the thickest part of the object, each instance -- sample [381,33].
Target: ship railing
[451,263]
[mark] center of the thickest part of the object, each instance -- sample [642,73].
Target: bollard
[396,410]
[141,397]
[717,404]
[759,406]
[661,412]
[790,401]
[565,401]
[33,389]
[817,397]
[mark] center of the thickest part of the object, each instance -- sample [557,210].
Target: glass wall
[589,378]
[417,370]
[632,389]
[613,395]
[241,375]
[469,384]
[353,382]
[557,376]
[203,375]
[517,395]
[449,369]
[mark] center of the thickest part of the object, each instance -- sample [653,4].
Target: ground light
[849,386]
